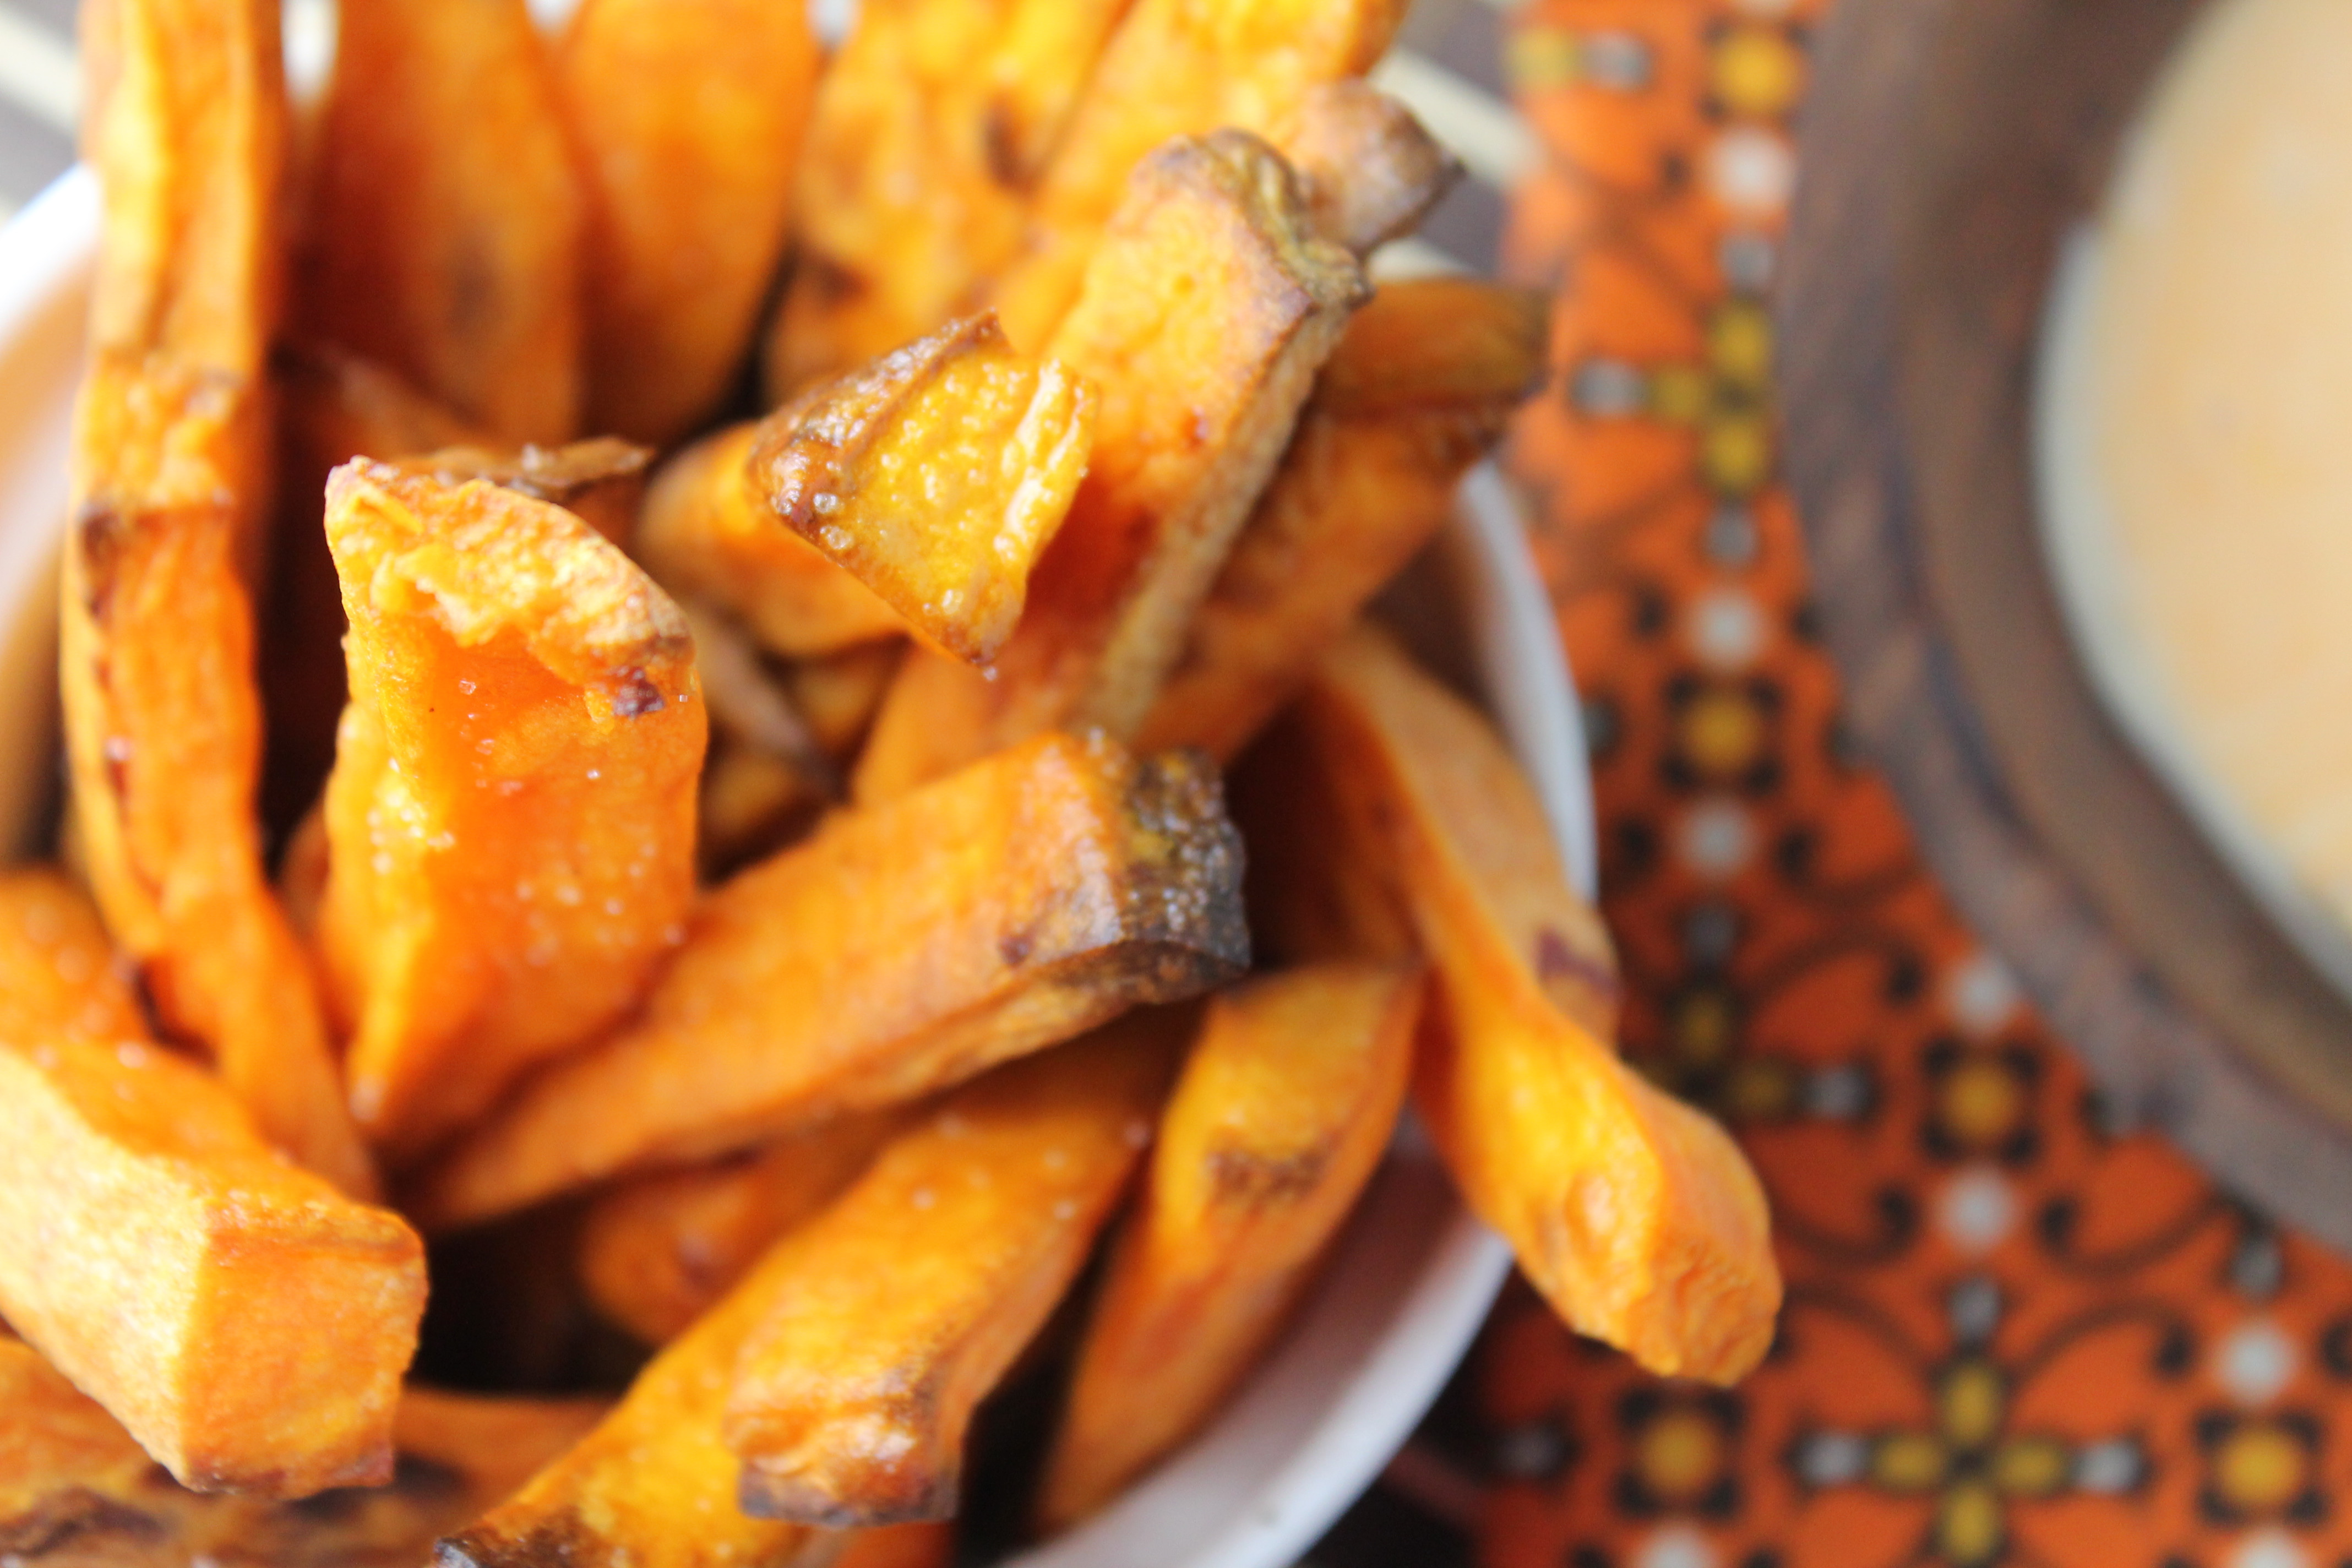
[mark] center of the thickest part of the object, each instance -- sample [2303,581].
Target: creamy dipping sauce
[2194,449]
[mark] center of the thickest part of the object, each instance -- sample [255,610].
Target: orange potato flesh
[1633,1214]
[1208,309]
[1419,389]
[443,217]
[901,949]
[654,1486]
[935,475]
[687,115]
[511,814]
[1370,172]
[708,536]
[74,1487]
[1174,68]
[1280,1115]
[245,1321]
[931,126]
[893,1314]
[657,1251]
[58,974]
[171,467]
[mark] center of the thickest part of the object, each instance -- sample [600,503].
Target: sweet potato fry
[708,536]
[839,693]
[689,118]
[1637,1218]
[1418,390]
[657,1251]
[931,125]
[1369,170]
[1175,68]
[1207,311]
[443,217]
[170,466]
[1278,1119]
[247,1324]
[753,803]
[511,814]
[902,948]
[601,480]
[935,475]
[893,1314]
[654,1486]
[75,1491]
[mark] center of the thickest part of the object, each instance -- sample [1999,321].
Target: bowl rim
[1368,1408]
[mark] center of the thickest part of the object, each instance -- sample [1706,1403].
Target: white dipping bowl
[1412,1274]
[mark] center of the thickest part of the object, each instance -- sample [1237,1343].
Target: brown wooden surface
[1949,144]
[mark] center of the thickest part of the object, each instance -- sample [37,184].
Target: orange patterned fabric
[2013,1334]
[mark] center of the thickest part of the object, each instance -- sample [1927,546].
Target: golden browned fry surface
[902,948]
[244,1320]
[1418,390]
[1174,68]
[654,1486]
[1283,1109]
[933,124]
[657,1251]
[511,814]
[935,475]
[77,1492]
[442,215]
[1208,309]
[893,1314]
[186,124]
[709,536]
[1370,173]
[687,115]
[1635,1216]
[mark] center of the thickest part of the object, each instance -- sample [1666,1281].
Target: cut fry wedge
[1175,68]
[894,1314]
[246,1323]
[901,949]
[935,475]
[659,1251]
[74,1487]
[1637,1218]
[1419,388]
[1369,171]
[443,216]
[709,536]
[687,114]
[1207,312]
[510,819]
[933,124]
[654,1486]
[1280,1114]
[170,474]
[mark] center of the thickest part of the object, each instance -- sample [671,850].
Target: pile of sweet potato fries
[767,877]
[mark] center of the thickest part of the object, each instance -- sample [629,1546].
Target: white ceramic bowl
[1412,1275]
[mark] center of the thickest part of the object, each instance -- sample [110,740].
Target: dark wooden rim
[1948,146]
